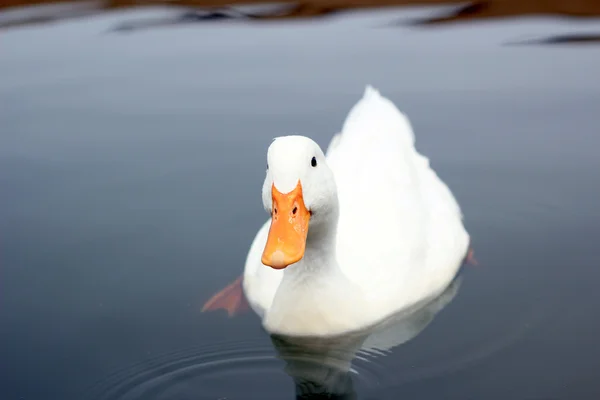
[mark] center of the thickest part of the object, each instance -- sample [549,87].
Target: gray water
[130,174]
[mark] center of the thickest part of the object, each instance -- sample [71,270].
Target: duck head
[300,194]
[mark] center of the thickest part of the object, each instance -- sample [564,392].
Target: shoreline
[47,11]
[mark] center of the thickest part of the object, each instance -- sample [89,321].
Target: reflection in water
[583,38]
[55,10]
[322,367]
[188,17]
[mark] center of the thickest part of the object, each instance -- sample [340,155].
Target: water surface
[131,168]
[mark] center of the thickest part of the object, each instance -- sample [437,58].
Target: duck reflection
[322,367]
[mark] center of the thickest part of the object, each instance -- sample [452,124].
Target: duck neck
[312,298]
[320,251]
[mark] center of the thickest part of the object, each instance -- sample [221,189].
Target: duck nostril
[295,210]
[275,210]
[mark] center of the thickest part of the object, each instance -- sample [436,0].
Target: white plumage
[399,240]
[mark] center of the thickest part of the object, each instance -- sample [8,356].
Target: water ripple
[156,376]
[207,371]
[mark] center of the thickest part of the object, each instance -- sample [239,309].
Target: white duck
[356,235]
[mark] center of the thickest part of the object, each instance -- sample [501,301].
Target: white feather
[400,238]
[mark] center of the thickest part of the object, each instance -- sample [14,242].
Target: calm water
[130,176]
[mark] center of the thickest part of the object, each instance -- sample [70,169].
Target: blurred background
[133,139]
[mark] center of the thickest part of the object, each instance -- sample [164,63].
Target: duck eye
[313,162]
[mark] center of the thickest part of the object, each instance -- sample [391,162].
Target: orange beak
[289,227]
